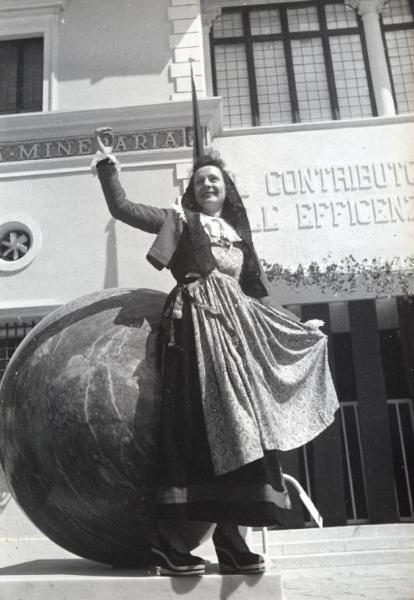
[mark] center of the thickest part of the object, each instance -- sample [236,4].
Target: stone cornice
[62,141]
[38,126]
[32,5]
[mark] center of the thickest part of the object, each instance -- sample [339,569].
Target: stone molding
[237,3]
[32,7]
[209,14]
[78,126]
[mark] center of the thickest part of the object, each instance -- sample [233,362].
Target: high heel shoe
[173,562]
[234,560]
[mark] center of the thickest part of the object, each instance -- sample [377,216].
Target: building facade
[310,103]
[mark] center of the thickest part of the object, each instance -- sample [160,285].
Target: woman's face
[210,190]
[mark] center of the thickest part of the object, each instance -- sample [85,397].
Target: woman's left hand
[104,139]
[314,324]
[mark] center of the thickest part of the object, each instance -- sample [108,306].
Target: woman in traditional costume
[241,378]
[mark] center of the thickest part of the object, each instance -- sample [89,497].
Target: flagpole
[198,147]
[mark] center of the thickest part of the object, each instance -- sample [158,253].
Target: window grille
[354,480]
[21,75]
[397,22]
[284,63]
[10,337]
[353,466]
[400,412]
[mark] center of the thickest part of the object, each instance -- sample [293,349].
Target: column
[370,10]
[373,413]
[328,477]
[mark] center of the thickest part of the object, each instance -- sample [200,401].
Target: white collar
[217,227]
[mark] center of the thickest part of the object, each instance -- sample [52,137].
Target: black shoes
[173,562]
[236,560]
[232,552]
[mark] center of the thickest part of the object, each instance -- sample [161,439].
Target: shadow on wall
[111,278]
[132,35]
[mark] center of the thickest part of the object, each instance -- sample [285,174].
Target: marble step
[346,545]
[81,580]
[341,532]
[359,562]
[46,552]
[396,540]
[350,539]
[335,546]
[337,559]
[378,582]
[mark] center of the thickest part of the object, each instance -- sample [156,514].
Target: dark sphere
[79,416]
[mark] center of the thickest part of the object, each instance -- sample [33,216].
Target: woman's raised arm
[144,217]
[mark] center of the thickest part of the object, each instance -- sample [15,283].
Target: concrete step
[82,580]
[21,550]
[378,582]
[338,559]
[287,549]
[339,545]
[362,562]
[343,532]
[335,541]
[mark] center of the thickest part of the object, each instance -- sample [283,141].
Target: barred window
[397,22]
[21,75]
[284,63]
[11,334]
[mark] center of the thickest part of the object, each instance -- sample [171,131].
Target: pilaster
[208,16]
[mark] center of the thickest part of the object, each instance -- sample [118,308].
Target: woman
[240,379]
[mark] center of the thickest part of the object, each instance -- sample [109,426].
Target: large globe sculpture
[79,415]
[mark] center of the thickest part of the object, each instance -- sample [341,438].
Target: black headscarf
[233,210]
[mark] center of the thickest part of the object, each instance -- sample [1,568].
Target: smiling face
[210,190]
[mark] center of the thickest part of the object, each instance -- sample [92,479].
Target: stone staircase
[362,562]
[339,546]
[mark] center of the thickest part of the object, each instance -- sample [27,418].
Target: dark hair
[233,208]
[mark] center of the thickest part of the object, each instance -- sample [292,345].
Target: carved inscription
[338,196]
[82,146]
[368,211]
[350,178]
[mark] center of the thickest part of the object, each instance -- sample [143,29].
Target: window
[21,75]
[287,63]
[10,337]
[398,30]
[29,36]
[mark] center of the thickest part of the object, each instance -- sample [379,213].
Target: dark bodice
[186,260]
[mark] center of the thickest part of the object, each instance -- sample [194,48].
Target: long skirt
[232,369]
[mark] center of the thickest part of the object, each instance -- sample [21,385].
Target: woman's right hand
[104,139]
